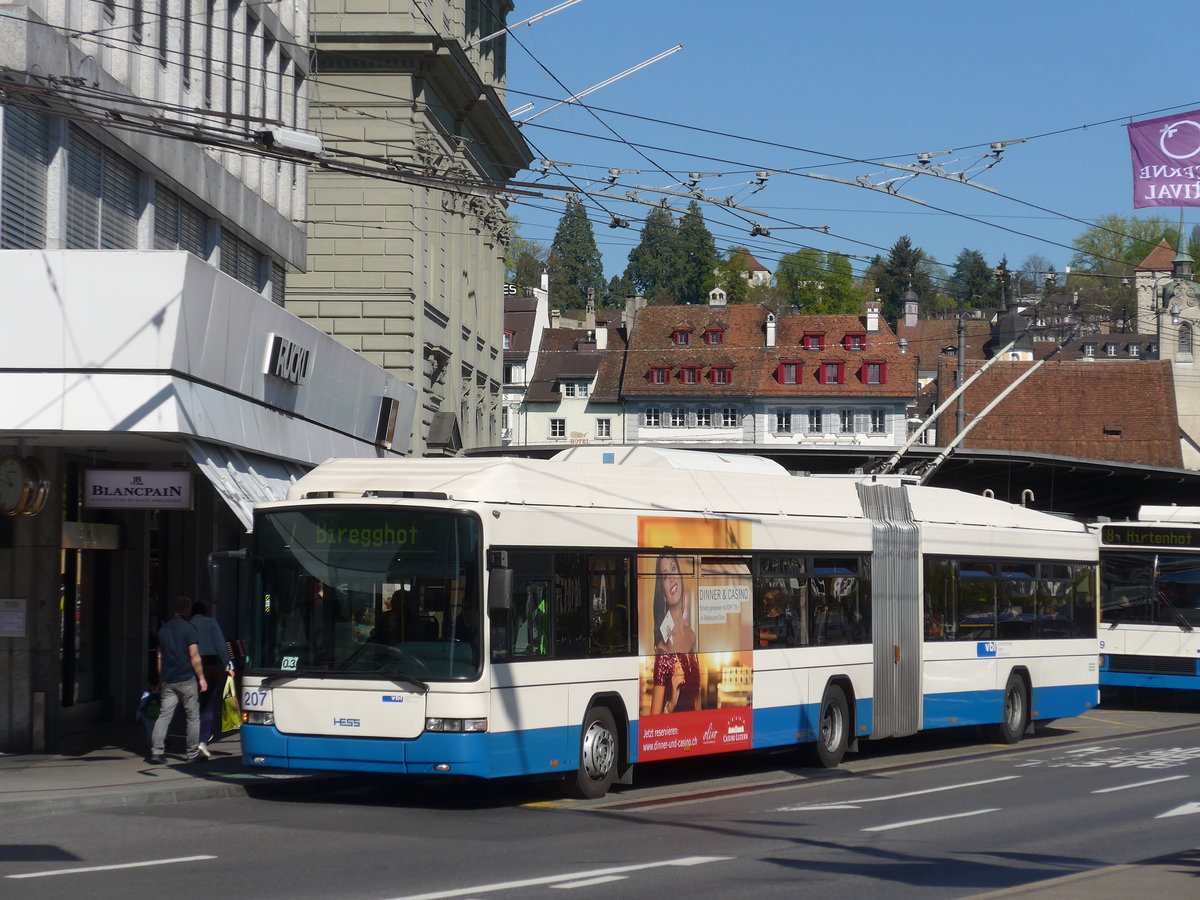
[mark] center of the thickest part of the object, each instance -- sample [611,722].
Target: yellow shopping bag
[231,716]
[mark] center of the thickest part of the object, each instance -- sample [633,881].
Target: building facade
[410,272]
[152,386]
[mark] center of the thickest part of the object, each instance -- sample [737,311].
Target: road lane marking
[975,812]
[1187,809]
[1126,787]
[589,882]
[135,865]
[566,877]
[850,804]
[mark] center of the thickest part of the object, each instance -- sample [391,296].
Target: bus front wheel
[598,750]
[1014,714]
[833,729]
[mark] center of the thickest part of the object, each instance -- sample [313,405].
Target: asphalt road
[942,815]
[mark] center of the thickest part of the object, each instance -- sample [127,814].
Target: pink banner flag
[1166,160]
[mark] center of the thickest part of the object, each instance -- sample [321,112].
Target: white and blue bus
[1150,600]
[503,617]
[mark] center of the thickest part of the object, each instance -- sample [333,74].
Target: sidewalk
[109,768]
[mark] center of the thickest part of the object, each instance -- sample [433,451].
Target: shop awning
[244,479]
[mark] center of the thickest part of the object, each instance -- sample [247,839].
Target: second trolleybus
[1150,600]
[613,606]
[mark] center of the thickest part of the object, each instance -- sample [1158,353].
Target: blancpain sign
[130,489]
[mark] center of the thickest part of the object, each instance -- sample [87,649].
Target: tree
[815,283]
[618,290]
[733,275]
[695,258]
[898,273]
[971,283]
[574,262]
[652,263]
[524,262]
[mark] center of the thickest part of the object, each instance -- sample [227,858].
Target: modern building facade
[152,386]
[410,272]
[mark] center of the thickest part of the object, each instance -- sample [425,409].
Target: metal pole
[605,83]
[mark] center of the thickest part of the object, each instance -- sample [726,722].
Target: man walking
[179,670]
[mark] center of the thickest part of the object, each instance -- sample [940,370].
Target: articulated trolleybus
[610,606]
[1150,600]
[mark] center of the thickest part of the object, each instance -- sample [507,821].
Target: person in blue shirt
[181,679]
[214,657]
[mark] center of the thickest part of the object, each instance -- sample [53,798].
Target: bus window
[1056,601]
[530,617]
[781,602]
[1178,589]
[939,599]
[570,621]
[1127,582]
[610,624]
[976,601]
[1018,588]
[840,602]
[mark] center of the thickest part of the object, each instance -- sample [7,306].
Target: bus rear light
[456,725]
[258,717]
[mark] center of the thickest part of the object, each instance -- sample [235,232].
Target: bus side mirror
[500,584]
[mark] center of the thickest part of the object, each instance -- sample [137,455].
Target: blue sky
[775,85]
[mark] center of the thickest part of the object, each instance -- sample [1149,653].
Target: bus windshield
[358,592]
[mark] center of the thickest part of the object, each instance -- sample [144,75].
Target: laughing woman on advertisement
[676,668]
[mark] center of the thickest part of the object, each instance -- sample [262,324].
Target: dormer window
[1110,349]
[660,374]
[854,342]
[1135,351]
[874,373]
[689,374]
[721,374]
[508,336]
[813,341]
[831,372]
[789,372]
[714,336]
[1089,350]
[681,337]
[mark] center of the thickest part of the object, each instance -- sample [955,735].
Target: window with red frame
[681,337]
[789,372]
[721,374]
[875,372]
[660,374]
[689,374]
[831,373]
[813,341]
[855,342]
[714,336]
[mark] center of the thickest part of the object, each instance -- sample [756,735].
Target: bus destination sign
[1134,535]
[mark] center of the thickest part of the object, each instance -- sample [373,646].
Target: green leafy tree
[1107,255]
[733,275]
[695,258]
[654,261]
[574,263]
[816,283]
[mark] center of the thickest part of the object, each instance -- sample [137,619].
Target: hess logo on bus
[347,723]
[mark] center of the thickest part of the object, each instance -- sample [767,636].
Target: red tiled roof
[1116,411]
[1160,259]
[754,366]
[566,353]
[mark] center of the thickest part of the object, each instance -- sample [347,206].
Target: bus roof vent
[407,495]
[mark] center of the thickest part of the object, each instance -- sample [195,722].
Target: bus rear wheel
[598,751]
[833,729]
[1014,715]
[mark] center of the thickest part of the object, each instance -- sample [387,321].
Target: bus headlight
[455,725]
[258,717]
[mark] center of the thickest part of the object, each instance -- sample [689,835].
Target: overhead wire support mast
[945,404]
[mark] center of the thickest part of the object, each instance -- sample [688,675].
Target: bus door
[895,610]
